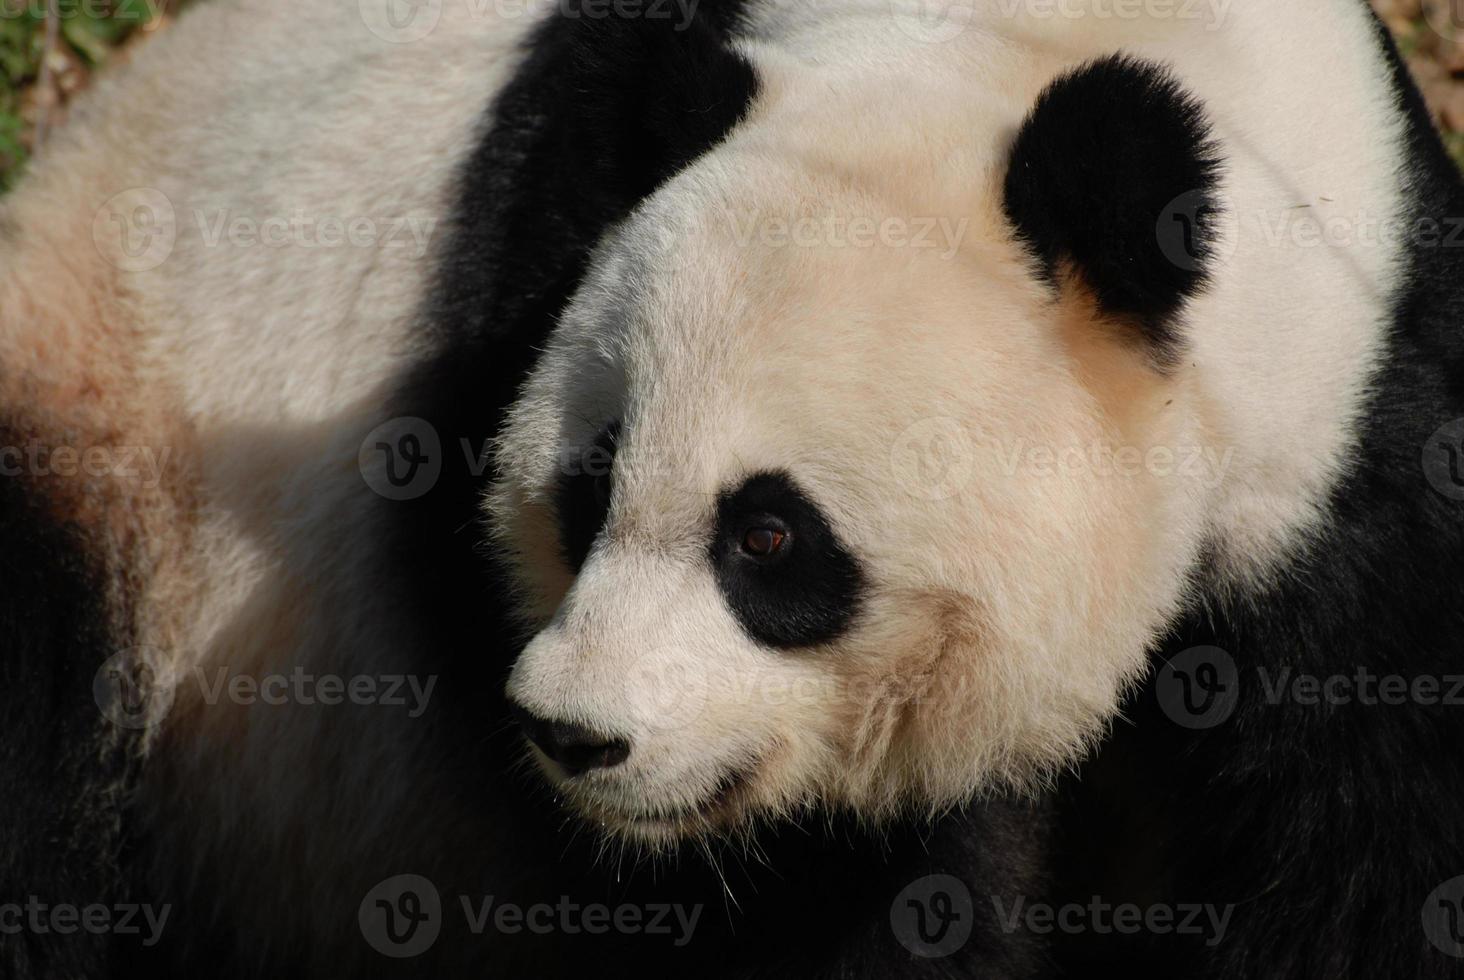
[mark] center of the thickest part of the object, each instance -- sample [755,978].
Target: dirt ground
[43,65]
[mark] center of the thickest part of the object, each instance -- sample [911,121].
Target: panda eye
[780,567]
[763,542]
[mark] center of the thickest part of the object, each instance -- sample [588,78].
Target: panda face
[780,523]
[749,598]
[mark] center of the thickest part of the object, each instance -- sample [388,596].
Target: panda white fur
[682,528]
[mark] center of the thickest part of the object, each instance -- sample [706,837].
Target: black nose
[576,748]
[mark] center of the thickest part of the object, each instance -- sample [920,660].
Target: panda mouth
[719,798]
[716,810]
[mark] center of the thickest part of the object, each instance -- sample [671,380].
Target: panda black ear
[644,96]
[1113,177]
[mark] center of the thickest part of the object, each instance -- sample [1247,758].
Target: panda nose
[576,748]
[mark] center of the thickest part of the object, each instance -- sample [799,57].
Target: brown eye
[761,542]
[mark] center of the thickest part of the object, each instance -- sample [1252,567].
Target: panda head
[790,520]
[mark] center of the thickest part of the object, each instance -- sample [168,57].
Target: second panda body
[532,210]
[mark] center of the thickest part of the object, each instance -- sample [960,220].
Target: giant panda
[726,413]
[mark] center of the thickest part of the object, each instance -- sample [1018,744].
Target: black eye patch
[582,499]
[803,590]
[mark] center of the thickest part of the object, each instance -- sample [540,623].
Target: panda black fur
[263,838]
[61,772]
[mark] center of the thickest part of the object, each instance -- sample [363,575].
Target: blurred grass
[39,75]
